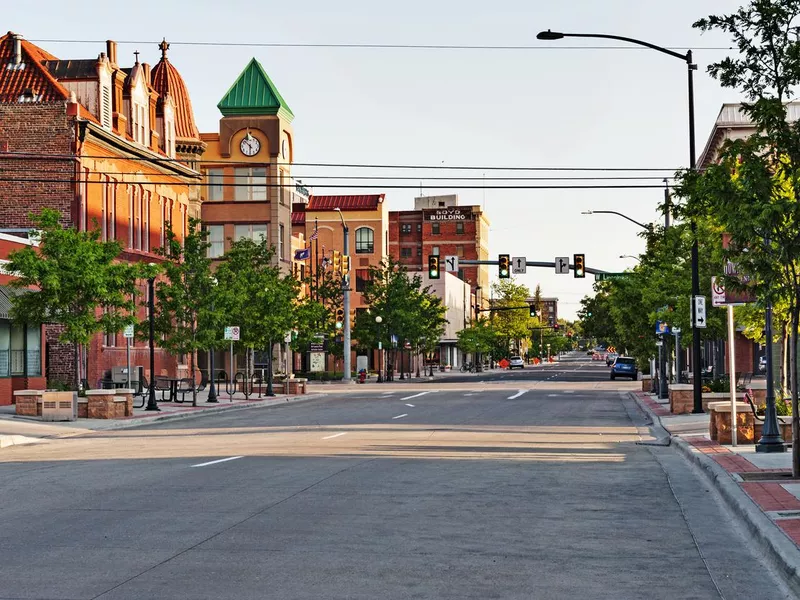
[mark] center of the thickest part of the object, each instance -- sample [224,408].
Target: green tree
[184,315]
[477,339]
[254,295]
[512,321]
[752,192]
[81,286]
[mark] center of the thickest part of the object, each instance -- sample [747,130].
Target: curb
[141,421]
[781,553]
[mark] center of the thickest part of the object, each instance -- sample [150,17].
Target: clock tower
[247,165]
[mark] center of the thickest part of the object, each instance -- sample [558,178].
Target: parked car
[610,358]
[624,366]
[516,362]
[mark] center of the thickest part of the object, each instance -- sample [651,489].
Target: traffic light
[337,261]
[433,266]
[532,310]
[345,265]
[578,261]
[339,318]
[504,265]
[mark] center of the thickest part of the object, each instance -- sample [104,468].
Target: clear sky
[547,107]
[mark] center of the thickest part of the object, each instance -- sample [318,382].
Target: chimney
[16,59]
[111,51]
[146,68]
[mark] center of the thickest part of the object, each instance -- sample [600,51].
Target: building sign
[316,347]
[316,362]
[448,214]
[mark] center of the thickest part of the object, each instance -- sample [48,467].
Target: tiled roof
[72,69]
[298,218]
[361,202]
[253,93]
[165,79]
[14,82]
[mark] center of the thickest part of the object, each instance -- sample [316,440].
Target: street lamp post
[152,405]
[346,300]
[619,214]
[379,320]
[636,258]
[212,389]
[691,68]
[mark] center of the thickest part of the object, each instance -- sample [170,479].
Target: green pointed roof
[253,93]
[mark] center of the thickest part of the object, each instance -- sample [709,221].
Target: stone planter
[647,383]
[28,402]
[83,408]
[719,426]
[784,425]
[681,398]
[101,404]
[127,394]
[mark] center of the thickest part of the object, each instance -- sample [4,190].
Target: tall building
[108,146]
[438,225]
[247,167]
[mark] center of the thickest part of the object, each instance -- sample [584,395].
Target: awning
[6,293]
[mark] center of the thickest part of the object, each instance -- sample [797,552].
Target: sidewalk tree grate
[781,476]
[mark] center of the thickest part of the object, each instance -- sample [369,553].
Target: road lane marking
[414,396]
[411,405]
[517,395]
[400,416]
[214,462]
[335,435]
[388,393]
[469,394]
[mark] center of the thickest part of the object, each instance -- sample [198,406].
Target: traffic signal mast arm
[499,308]
[530,263]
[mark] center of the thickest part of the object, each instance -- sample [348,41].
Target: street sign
[232,334]
[562,265]
[721,297]
[700,311]
[128,333]
[519,265]
[676,330]
[659,343]
[451,263]
[662,327]
[610,276]
[717,293]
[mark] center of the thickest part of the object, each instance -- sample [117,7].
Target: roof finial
[163,46]
[136,54]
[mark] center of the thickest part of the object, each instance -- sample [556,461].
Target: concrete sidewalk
[758,488]
[16,430]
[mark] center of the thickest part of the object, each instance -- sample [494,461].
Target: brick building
[109,147]
[438,225]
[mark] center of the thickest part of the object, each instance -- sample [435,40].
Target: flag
[303,254]
[313,236]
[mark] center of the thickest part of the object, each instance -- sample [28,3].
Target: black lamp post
[379,320]
[212,389]
[691,68]
[151,401]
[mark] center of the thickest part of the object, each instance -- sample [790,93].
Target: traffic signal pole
[346,305]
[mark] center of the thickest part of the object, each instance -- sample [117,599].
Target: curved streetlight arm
[613,212]
[555,35]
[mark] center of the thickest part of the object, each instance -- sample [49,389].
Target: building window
[460,251]
[17,350]
[461,274]
[216,240]
[405,252]
[138,193]
[365,240]
[281,229]
[362,276]
[252,231]
[419,227]
[146,222]
[251,184]
[131,211]
[163,237]
[405,228]
[434,228]
[419,251]
[214,189]
[435,250]
[460,228]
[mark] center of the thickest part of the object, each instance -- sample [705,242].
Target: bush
[58,386]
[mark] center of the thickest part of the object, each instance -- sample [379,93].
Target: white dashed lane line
[517,395]
[411,405]
[414,396]
[335,435]
[400,416]
[214,462]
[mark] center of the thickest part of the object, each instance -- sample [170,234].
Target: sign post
[232,334]
[732,369]
[128,333]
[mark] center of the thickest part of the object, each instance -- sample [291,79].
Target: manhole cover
[781,476]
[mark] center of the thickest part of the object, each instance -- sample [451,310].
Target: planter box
[784,425]
[681,398]
[101,404]
[28,403]
[719,425]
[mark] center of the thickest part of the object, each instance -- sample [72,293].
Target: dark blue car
[624,366]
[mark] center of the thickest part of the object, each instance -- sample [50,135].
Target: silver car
[516,362]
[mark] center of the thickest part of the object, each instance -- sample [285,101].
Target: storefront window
[17,350]
[5,347]
[33,351]
[20,350]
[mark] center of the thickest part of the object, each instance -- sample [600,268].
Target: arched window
[365,240]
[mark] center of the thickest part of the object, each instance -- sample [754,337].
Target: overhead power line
[368,46]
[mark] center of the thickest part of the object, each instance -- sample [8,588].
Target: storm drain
[781,476]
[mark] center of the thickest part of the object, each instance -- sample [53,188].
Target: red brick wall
[39,129]
[59,357]
[6,392]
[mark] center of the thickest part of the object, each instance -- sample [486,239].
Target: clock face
[250,145]
[285,149]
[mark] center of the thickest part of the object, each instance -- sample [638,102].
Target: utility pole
[346,300]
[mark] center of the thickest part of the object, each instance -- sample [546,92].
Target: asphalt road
[489,491]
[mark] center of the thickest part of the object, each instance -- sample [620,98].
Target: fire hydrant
[362,376]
